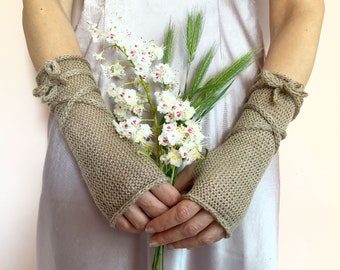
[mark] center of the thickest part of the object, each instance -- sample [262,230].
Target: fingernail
[153,244]
[149,230]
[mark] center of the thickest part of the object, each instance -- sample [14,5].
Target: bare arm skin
[48,30]
[295,27]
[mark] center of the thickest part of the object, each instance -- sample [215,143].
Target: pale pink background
[310,205]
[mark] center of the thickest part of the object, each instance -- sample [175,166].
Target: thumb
[185,178]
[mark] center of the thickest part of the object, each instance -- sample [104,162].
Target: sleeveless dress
[72,233]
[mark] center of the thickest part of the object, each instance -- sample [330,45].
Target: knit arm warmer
[226,181]
[115,174]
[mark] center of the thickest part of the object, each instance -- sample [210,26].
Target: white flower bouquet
[149,109]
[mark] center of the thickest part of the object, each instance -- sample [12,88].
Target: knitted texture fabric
[116,175]
[226,181]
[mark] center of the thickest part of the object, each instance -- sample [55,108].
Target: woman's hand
[151,204]
[187,224]
[154,203]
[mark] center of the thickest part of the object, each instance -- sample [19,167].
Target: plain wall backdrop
[310,186]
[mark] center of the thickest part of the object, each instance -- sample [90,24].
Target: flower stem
[152,106]
[187,76]
[127,83]
[173,175]
[154,115]
[158,258]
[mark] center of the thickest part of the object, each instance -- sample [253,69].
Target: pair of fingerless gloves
[116,175]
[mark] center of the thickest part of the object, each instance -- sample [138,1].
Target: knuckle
[125,227]
[173,198]
[144,202]
[205,240]
[191,229]
[140,225]
[182,213]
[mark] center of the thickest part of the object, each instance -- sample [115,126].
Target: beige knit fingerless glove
[113,171]
[226,181]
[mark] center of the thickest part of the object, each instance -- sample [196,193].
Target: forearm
[295,30]
[48,30]
[226,181]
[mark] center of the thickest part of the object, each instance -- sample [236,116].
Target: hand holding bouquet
[149,108]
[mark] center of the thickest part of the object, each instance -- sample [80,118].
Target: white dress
[72,233]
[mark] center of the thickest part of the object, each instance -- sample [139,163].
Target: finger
[166,193]
[151,205]
[185,178]
[176,215]
[213,233]
[124,225]
[136,217]
[188,229]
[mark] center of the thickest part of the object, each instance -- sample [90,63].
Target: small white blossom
[129,96]
[142,70]
[188,111]
[115,37]
[118,70]
[96,33]
[112,90]
[144,132]
[190,153]
[173,108]
[154,52]
[114,34]
[165,100]
[171,135]
[135,49]
[163,73]
[99,56]
[133,129]
[120,112]
[173,157]
[115,70]
[139,109]
[193,131]
[107,71]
